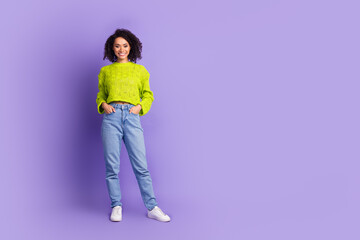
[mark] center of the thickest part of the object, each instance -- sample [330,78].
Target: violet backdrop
[253,133]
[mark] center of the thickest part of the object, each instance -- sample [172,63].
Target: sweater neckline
[117,63]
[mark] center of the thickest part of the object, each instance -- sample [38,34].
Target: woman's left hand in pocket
[136,109]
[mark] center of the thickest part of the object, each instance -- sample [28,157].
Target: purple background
[253,133]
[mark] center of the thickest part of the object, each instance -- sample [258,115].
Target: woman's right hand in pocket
[107,108]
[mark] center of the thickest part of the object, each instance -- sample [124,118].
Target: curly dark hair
[135,45]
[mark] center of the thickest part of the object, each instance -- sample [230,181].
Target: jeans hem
[114,205]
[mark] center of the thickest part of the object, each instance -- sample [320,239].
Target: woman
[121,85]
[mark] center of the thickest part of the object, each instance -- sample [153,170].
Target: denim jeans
[118,126]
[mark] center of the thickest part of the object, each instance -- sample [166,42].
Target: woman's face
[121,48]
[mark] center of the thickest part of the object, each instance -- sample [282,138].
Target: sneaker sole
[158,219]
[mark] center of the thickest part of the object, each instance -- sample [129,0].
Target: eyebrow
[120,44]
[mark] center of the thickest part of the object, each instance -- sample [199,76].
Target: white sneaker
[159,215]
[116,214]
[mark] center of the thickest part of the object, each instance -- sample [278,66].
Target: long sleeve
[101,96]
[147,96]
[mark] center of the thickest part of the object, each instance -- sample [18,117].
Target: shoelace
[118,210]
[161,211]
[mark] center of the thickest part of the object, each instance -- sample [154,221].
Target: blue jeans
[127,126]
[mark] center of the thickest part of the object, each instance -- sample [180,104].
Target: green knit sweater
[127,82]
